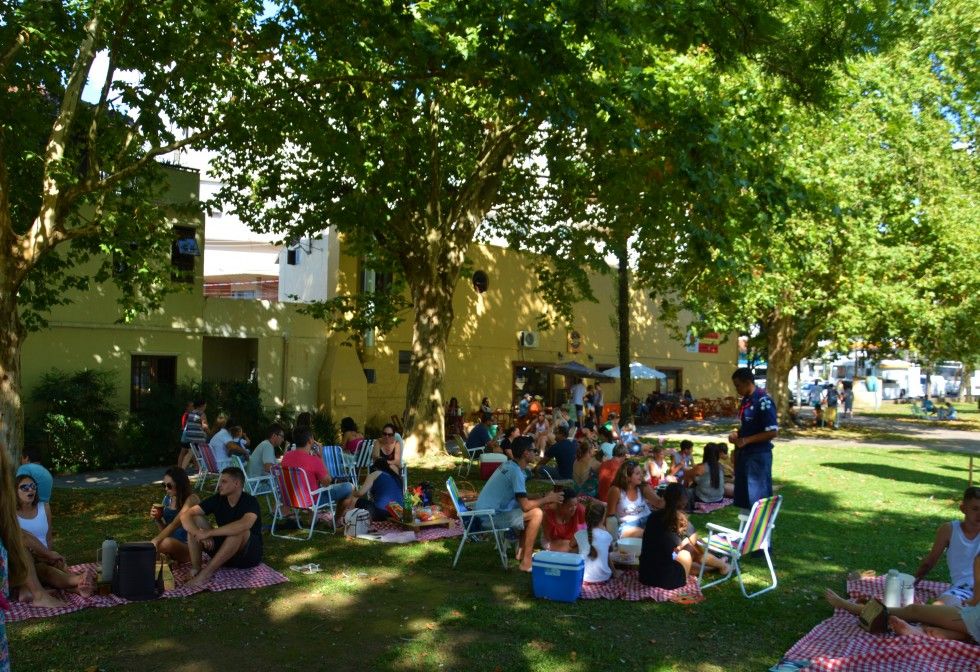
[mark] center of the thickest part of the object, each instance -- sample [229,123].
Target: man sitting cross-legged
[237,541]
[506,493]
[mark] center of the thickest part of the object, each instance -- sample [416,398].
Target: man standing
[506,494]
[264,456]
[577,393]
[236,541]
[753,441]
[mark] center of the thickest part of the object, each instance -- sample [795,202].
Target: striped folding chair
[486,526]
[337,466]
[212,463]
[362,458]
[293,492]
[753,535]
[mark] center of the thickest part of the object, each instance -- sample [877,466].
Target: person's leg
[685,560]
[227,549]
[905,629]
[34,593]
[940,616]
[532,523]
[195,547]
[56,578]
[175,549]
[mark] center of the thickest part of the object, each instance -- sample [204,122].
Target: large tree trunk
[424,403]
[11,408]
[623,325]
[779,338]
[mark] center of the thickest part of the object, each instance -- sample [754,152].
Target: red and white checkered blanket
[424,534]
[628,587]
[225,578]
[839,645]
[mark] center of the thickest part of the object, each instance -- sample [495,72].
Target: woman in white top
[35,524]
[630,498]
[594,543]
[540,429]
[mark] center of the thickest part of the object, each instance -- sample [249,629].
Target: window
[481,282]
[182,252]
[372,281]
[292,257]
[404,361]
[151,373]
[244,294]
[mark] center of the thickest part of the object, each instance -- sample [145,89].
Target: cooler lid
[493,457]
[570,560]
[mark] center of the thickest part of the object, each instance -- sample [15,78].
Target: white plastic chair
[293,490]
[754,533]
[466,519]
[258,486]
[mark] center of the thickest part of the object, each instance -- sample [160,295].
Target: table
[445,521]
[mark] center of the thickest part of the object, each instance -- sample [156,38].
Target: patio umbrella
[577,370]
[637,372]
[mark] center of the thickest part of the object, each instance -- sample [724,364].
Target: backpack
[134,577]
[356,522]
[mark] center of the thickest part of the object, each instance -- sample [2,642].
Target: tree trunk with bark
[623,325]
[780,331]
[11,406]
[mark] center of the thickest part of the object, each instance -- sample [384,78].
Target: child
[594,543]
[961,541]
[681,460]
[630,440]
[239,437]
[657,466]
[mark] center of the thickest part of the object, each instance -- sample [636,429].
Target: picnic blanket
[395,531]
[225,578]
[628,587]
[839,645]
[701,507]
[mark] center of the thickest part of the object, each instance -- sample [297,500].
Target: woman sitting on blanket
[670,545]
[593,545]
[172,538]
[629,499]
[35,525]
[585,470]
[384,485]
[561,522]
[936,620]
[706,480]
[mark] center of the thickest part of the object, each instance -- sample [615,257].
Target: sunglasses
[169,486]
[387,433]
[27,487]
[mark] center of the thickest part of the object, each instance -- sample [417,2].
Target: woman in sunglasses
[172,538]
[35,524]
[389,447]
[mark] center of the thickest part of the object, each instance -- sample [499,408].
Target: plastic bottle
[893,589]
[107,556]
[908,589]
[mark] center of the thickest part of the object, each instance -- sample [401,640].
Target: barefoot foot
[835,600]
[86,585]
[905,629]
[45,599]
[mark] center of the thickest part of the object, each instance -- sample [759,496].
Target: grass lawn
[385,607]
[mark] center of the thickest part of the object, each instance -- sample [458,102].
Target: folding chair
[471,454]
[293,491]
[487,527]
[404,479]
[214,465]
[753,535]
[333,459]
[257,486]
[202,466]
[362,458]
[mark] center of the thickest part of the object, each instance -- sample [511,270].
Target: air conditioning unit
[528,339]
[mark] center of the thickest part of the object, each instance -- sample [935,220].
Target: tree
[79,178]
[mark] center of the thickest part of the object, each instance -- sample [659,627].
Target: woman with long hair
[630,498]
[707,480]
[34,518]
[172,537]
[350,437]
[670,551]
[585,470]
[388,447]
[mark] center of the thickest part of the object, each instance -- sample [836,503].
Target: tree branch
[8,56]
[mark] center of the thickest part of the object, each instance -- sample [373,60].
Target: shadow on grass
[387,607]
[892,473]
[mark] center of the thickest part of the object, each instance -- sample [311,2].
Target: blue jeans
[753,477]
[338,492]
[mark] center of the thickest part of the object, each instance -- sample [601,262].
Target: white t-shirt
[578,394]
[219,445]
[596,569]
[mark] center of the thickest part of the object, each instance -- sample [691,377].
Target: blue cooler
[557,576]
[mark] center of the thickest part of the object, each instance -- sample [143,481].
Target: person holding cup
[172,538]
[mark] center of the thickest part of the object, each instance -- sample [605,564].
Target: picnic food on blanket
[396,510]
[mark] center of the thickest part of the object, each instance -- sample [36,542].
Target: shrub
[75,420]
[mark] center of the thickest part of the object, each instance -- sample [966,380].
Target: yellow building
[297,360]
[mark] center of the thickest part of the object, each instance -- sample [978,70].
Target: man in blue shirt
[563,453]
[29,464]
[479,436]
[506,494]
[753,441]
